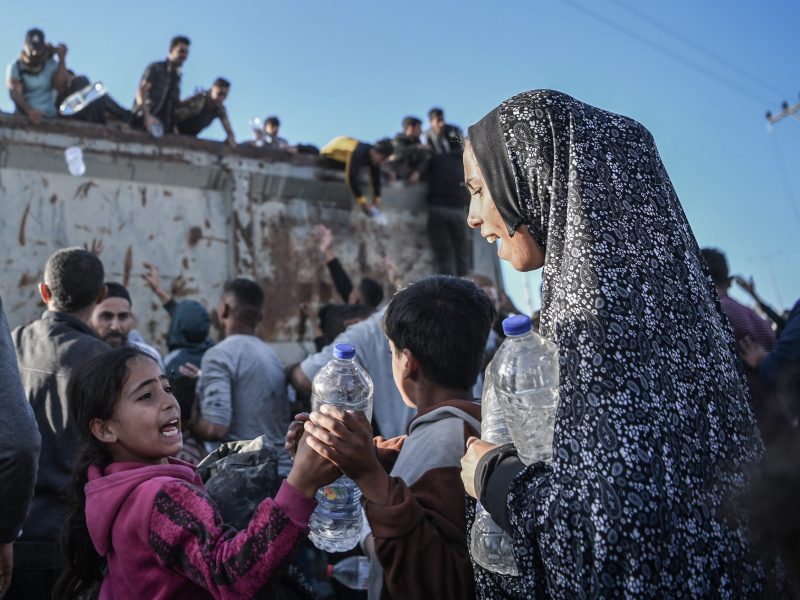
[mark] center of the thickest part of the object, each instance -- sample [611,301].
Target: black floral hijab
[654,426]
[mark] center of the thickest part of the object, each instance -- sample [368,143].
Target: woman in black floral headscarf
[654,429]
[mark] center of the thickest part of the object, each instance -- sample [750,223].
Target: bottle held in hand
[343,383]
[490,546]
[525,374]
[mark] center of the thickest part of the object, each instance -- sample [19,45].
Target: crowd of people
[675,440]
[40,82]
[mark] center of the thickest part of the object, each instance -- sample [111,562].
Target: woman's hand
[475,450]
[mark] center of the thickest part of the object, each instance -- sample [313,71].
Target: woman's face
[521,251]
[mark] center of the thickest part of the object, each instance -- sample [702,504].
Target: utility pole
[787,111]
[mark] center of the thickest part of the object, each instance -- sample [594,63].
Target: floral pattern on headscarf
[654,430]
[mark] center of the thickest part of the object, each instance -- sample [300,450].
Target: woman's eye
[146,396]
[168,389]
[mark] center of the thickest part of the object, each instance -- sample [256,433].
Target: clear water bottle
[76,102]
[156,129]
[490,546]
[74,158]
[378,217]
[352,572]
[343,383]
[525,375]
[258,131]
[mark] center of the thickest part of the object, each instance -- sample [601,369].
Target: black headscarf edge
[490,151]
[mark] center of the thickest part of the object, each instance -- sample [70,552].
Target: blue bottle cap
[516,325]
[344,351]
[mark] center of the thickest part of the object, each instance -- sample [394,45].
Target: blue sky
[699,75]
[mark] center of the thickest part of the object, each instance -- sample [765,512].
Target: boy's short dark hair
[444,322]
[436,112]
[272,121]
[74,277]
[411,122]
[221,82]
[179,39]
[384,147]
[117,290]
[246,300]
[371,292]
[717,265]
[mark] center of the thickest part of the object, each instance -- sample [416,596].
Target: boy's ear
[409,364]
[102,431]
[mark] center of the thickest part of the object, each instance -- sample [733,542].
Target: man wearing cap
[113,320]
[36,77]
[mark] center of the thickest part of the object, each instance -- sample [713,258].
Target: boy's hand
[294,433]
[311,470]
[345,438]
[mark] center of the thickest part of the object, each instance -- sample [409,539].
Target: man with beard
[160,88]
[113,321]
[36,77]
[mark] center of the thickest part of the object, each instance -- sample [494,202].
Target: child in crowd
[413,496]
[141,523]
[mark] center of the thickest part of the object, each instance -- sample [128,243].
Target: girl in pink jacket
[141,523]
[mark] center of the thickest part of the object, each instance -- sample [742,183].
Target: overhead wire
[667,52]
[698,47]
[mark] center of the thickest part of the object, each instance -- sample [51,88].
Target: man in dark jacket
[19,452]
[160,88]
[48,351]
[447,197]
[410,157]
[197,112]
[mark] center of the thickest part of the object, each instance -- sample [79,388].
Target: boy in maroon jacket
[413,495]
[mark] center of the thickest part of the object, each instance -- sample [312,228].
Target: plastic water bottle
[76,102]
[156,129]
[525,375]
[258,129]
[378,217]
[75,164]
[352,572]
[343,383]
[490,546]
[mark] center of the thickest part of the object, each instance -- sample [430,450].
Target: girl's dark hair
[92,393]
